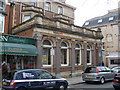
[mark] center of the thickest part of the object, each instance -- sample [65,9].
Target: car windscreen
[90,70]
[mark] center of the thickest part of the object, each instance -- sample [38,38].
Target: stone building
[108,24]
[63,47]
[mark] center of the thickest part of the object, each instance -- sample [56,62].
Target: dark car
[98,73]
[30,79]
[116,83]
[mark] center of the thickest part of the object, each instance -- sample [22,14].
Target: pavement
[75,80]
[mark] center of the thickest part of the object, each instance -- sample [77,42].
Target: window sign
[27,75]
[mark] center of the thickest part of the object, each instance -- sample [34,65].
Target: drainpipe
[10,18]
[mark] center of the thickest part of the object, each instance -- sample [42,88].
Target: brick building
[63,47]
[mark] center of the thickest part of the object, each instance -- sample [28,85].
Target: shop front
[18,52]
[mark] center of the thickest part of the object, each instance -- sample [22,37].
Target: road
[92,86]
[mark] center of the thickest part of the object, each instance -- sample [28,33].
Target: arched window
[89,56]
[64,54]
[77,54]
[46,54]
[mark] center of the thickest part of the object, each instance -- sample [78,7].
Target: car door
[30,80]
[110,73]
[47,79]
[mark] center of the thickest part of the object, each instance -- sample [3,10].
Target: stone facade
[64,48]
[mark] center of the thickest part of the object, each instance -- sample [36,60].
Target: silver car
[98,73]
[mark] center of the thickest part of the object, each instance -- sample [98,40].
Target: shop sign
[16,39]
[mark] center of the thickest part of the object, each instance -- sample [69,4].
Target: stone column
[73,55]
[58,55]
[38,36]
[85,55]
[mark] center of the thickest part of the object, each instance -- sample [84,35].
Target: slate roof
[105,20]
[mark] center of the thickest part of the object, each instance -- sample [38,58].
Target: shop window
[26,17]
[78,54]
[48,6]
[64,54]
[1,24]
[89,56]
[46,54]
[60,10]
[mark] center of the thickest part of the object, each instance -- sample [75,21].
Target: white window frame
[90,55]
[66,54]
[79,49]
[47,6]
[51,56]
[60,10]
[2,23]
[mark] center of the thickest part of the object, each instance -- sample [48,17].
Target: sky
[87,9]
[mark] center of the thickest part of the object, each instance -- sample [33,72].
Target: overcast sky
[87,9]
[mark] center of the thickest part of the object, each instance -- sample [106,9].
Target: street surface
[92,86]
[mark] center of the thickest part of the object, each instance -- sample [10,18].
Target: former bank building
[60,46]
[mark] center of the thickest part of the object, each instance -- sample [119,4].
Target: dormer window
[100,21]
[111,18]
[48,6]
[87,23]
[60,10]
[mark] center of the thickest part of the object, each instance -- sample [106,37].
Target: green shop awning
[18,49]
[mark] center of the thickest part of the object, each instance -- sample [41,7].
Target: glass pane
[77,56]
[46,42]
[63,44]
[26,17]
[46,57]
[77,46]
[88,56]
[64,56]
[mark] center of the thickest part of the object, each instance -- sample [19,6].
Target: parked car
[98,73]
[116,70]
[116,83]
[30,79]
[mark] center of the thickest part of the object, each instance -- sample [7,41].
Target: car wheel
[102,80]
[21,88]
[62,86]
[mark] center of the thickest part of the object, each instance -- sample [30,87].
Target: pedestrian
[4,70]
